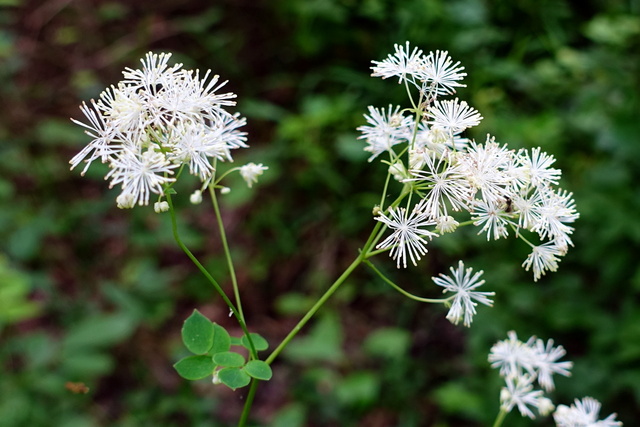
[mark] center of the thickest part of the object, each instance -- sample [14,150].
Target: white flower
[534,359]
[139,175]
[583,413]
[404,64]
[453,116]
[544,258]
[492,217]
[158,118]
[438,139]
[441,74]
[512,356]
[463,284]
[557,210]
[546,363]
[536,167]
[407,238]
[105,143]
[250,172]
[385,129]
[445,182]
[487,169]
[519,392]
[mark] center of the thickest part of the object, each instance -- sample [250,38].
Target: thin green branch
[248,403]
[203,270]
[227,253]
[402,291]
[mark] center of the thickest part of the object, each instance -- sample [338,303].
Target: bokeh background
[96,296]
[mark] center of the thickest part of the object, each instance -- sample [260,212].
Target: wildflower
[408,236]
[536,167]
[512,356]
[546,364]
[463,284]
[139,175]
[442,74]
[453,116]
[445,183]
[583,413]
[160,117]
[492,218]
[519,392]
[385,129]
[487,169]
[544,258]
[250,172]
[406,64]
[557,210]
[534,359]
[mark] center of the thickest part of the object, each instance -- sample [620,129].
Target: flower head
[158,118]
[462,283]
[408,237]
[250,172]
[583,413]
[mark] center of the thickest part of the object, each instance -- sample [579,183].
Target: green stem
[227,253]
[402,291]
[500,418]
[203,270]
[364,253]
[248,403]
[315,308]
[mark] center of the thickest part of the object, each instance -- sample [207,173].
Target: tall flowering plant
[162,121]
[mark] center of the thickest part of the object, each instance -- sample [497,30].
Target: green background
[95,295]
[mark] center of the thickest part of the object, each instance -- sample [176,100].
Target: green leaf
[195,367]
[221,340]
[197,333]
[259,342]
[236,341]
[228,359]
[258,370]
[234,377]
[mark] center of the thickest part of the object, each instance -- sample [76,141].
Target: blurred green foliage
[97,296]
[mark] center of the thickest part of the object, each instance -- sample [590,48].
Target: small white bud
[125,201]
[545,406]
[160,207]
[446,224]
[225,190]
[196,197]
[398,171]
[216,378]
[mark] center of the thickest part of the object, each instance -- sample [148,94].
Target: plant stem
[500,418]
[364,253]
[315,308]
[227,253]
[248,403]
[402,291]
[203,270]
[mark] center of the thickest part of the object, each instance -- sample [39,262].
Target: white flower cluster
[502,190]
[583,413]
[524,365]
[155,120]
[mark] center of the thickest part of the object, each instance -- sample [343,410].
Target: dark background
[95,295]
